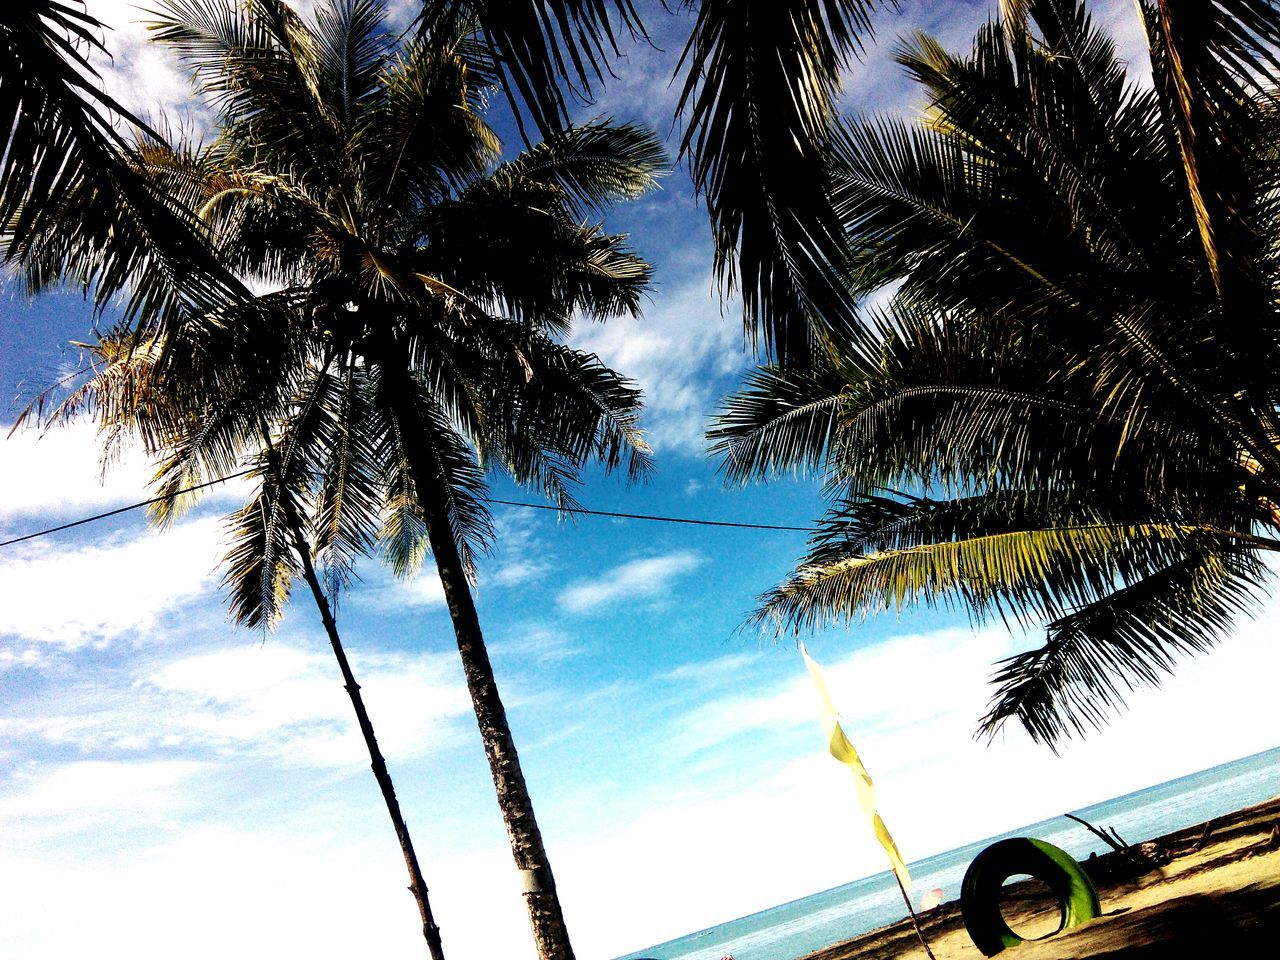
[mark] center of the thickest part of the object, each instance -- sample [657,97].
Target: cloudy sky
[171,785]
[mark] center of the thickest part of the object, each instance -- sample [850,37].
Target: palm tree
[411,345]
[1073,391]
[123,388]
[74,202]
[757,100]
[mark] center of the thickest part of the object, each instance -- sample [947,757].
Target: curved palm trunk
[417,886]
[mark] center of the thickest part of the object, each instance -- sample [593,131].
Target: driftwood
[1125,861]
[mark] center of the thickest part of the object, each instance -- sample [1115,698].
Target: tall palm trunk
[546,918]
[538,885]
[417,886]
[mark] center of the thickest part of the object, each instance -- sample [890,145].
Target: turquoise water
[802,926]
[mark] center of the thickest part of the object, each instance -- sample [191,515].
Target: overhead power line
[111,513]
[692,521]
[648,516]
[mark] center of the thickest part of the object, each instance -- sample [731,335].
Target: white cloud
[542,645]
[518,572]
[713,672]
[520,555]
[95,790]
[695,850]
[274,889]
[684,354]
[10,659]
[60,470]
[778,819]
[638,579]
[289,702]
[423,589]
[144,77]
[96,594]
[267,700]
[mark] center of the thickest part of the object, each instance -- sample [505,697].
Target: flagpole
[915,922]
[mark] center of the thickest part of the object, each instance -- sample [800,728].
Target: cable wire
[133,506]
[649,516]
[692,521]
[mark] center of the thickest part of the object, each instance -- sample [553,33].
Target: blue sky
[170,783]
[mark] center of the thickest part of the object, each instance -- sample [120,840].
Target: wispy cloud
[116,787]
[96,594]
[517,572]
[879,689]
[639,579]
[713,672]
[60,471]
[540,645]
[683,352]
[271,700]
[144,77]
[289,702]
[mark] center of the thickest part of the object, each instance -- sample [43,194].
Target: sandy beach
[1218,896]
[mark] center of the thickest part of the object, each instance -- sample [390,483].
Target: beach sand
[1218,897]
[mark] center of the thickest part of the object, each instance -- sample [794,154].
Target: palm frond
[435,465]
[782,419]
[547,398]
[260,68]
[424,135]
[758,101]
[1211,60]
[352,49]
[548,52]
[596,164]
[1023,573]
[74,204]
[1096,654]
[349,493]
[260,564]
[532,262]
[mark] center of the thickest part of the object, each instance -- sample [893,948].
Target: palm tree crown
[1067,412]
[758,83]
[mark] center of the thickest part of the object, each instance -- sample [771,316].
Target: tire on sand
[984,881]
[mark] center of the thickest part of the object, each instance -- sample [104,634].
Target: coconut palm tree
[1073,389]
[124,390]
[74,202]
[757,100]
[410,343]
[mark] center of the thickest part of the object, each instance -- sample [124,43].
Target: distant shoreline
[1221,889]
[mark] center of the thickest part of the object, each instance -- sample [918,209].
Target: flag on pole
[844,751]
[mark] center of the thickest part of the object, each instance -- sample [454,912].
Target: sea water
[802,926]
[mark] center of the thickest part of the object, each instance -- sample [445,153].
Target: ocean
[802,926]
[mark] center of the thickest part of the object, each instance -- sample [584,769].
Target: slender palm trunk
[417,886]
[546,918]
[550,934]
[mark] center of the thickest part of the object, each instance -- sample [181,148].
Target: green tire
[984,880]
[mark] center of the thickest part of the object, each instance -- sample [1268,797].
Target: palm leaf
[1094,655]
[758,96]
[1025,573]
[782,419]
[596,164]
[260,564]
[547,51]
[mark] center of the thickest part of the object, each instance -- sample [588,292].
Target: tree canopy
[1064,409]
